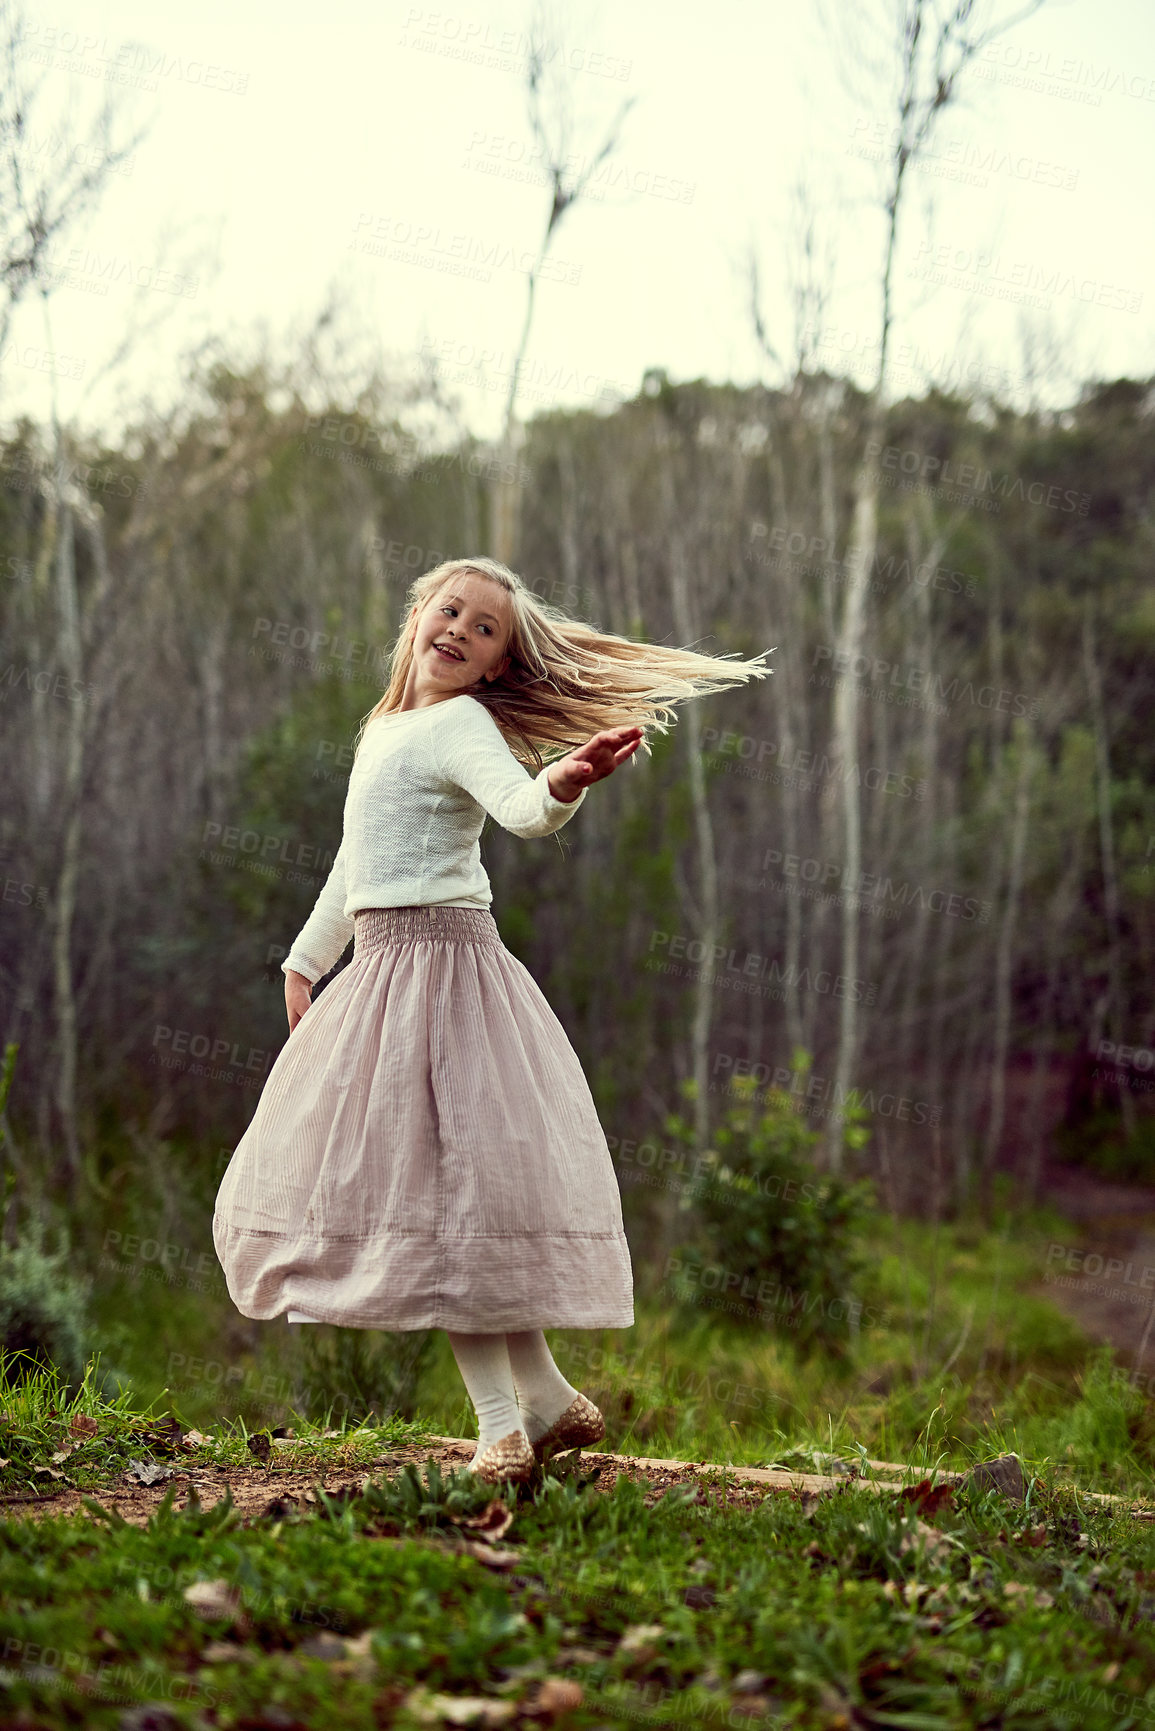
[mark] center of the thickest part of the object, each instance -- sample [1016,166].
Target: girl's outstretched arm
[593,761]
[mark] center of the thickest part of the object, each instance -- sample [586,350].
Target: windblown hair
[565,680]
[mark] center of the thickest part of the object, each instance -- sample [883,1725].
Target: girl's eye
[449,608]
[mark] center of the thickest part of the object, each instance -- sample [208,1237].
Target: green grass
[684,1611]
[960,1352]
[846,1611]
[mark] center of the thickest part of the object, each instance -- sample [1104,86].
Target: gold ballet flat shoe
[510,1457]
[579,1424]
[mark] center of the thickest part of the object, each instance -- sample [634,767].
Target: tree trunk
[1107,852]
[1004,958]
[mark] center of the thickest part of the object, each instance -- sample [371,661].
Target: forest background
[898,895]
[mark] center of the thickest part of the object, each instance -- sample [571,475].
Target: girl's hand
[298,997]
[592,762]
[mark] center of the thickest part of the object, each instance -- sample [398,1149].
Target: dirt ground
[1116,1222]
[278,1486]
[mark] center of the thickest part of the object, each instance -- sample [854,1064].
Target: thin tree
[935,46]
[44,191]
[549,92]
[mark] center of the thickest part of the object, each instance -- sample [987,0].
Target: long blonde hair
[565,681]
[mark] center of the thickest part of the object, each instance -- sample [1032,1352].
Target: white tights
[511,1379]
[513,1383]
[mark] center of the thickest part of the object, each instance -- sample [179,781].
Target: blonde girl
[426,1152]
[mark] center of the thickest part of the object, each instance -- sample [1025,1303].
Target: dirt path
[1098,1278]
[280,1486]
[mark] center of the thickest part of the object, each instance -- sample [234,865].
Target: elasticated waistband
[374,928]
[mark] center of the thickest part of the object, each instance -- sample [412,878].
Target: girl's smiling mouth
[444,650]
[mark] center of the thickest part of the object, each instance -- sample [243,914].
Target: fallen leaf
[490,1555]
[226,1653]
[165,1435]
[491,1524]
[47,1472]
[146,1473]
[639,1642]
[1036,1596]
[430,1709]
[195,1439]
[929,1538]
[927,1498]
[280,1508]
[558,1695]
[637,1634]
[578,1656]
[81,1425]
[1034,1536]
[260,1444]
[749,1682]
[213,1598]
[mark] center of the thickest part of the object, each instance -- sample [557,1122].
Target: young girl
[426,1152]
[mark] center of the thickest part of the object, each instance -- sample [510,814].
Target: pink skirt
[426,1152]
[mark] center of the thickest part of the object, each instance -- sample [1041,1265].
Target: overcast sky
[383,150]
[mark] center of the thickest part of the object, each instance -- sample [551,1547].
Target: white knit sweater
[421,784]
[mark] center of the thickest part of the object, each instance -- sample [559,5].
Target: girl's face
[461,637]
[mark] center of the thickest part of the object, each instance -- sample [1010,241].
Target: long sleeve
[323,937]
[470,751]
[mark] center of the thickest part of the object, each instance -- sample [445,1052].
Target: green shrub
[43,1309]
[1099,1143]
[768,1237]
